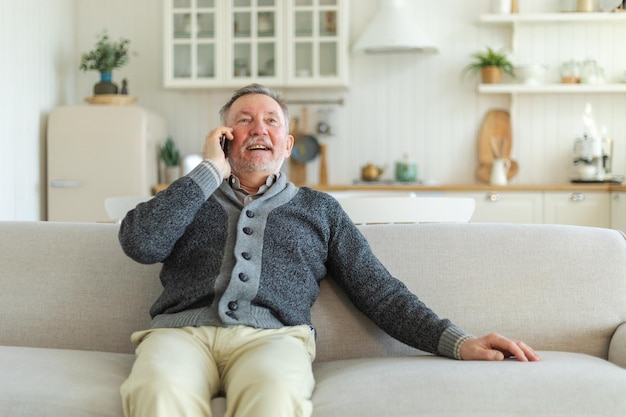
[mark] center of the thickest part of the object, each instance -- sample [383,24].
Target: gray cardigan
[260,265]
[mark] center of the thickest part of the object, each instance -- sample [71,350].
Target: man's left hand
[495,347]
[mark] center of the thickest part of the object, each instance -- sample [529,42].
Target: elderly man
[243,252]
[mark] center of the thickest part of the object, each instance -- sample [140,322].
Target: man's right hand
[212,150]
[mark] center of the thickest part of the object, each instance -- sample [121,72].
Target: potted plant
[490,64]
[106,56]
[171,158]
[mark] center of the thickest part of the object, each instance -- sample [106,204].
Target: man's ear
[290,141]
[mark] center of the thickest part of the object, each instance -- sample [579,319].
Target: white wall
[36,50]
[415,104]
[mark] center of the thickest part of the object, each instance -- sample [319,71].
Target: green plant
[489,58]
[169,153]
[107,54]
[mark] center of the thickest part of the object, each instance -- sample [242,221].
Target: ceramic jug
[499,171]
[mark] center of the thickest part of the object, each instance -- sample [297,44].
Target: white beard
[243,165]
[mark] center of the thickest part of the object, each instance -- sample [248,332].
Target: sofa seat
[435,386]
[61,382]
[75,383]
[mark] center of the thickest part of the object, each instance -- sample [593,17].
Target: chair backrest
[370,210]
[117,207]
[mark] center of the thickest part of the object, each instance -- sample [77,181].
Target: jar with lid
[570,72]
[241,67]
[590,73]
[586,6]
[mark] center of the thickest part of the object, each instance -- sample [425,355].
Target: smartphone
[224,145]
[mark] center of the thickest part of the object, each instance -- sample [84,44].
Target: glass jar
[590,72]
[570,72]
[241,68]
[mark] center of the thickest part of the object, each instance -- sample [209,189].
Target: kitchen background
[395,105]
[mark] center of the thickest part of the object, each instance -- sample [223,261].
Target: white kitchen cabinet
[577,208]
[317,43]
[253,41]
[618,211]
[229,43]
[505,206]
[193,43]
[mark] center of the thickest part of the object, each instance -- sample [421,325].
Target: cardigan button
[250,213]
[233,306]
[232,315]
[243,277]
[246,256]
[247,230]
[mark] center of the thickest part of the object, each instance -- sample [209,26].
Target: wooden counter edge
[473,187]
[458,187]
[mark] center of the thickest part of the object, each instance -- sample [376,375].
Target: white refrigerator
[98,151]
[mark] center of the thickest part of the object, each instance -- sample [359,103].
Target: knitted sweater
[260,265]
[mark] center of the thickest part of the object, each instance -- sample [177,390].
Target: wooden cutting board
[297,171]
[495,139]
[496,125]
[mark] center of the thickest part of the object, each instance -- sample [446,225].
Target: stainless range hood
[392,30]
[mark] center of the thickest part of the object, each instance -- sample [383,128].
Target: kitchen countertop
[384,186]
[376,186]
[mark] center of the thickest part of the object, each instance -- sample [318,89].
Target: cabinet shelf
[607,17]
[550,88]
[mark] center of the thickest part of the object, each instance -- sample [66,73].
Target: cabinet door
[192,43]
[577,208]
[618,211]
[254,38]
[505,207]
[317,43]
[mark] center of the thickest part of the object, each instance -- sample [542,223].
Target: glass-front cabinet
[193,44]
[317,42]
[228,43]
[254,46]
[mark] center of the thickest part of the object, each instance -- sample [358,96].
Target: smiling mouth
[258,148]
[258,145]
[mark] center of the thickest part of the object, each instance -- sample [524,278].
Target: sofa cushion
[56,382]
[563,384]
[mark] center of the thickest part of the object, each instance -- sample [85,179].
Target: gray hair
[256,89]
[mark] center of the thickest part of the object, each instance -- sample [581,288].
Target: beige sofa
[69,300]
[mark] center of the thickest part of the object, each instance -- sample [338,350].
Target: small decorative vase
[105,86]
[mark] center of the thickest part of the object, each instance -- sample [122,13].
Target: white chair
[117,207]
[370,210]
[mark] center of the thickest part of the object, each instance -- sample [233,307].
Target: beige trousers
[262,372]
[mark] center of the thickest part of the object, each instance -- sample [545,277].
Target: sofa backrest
[69,285]
[555,287]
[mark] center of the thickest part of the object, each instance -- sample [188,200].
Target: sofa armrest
[617,348]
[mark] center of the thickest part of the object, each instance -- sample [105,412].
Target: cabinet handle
[494,197]
[577,196]
[66,184]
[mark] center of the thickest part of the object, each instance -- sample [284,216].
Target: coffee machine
[591,160]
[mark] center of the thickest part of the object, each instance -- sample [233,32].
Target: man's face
[261,139]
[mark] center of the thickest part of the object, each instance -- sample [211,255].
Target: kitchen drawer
[505,206]
[578,208]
